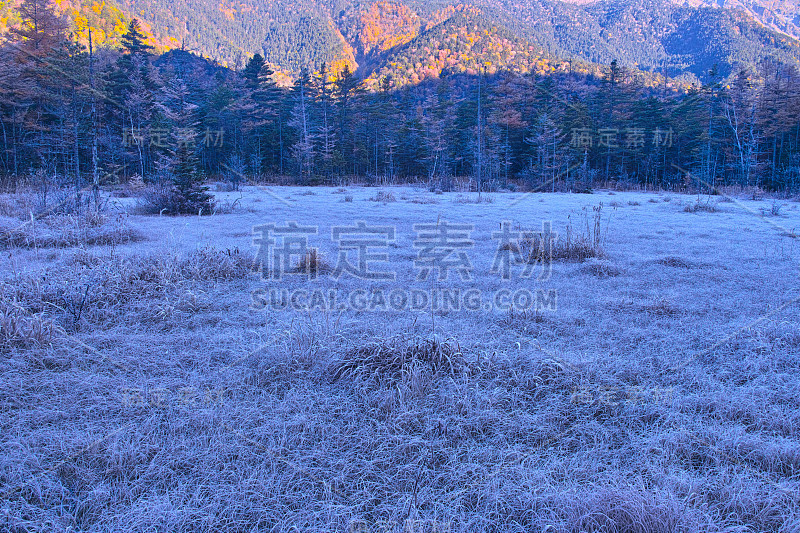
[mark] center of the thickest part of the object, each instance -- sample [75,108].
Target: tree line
[86,118]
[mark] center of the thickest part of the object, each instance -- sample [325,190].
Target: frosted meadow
[645,381]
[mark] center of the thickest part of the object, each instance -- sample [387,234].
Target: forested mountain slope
[413,40]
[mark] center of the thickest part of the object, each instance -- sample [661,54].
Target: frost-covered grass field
[142,390]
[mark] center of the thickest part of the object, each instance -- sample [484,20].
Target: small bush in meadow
[170,200]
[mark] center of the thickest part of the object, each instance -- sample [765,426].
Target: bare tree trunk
[95,171]
[480,139]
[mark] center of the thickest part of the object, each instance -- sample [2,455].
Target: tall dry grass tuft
[577,245]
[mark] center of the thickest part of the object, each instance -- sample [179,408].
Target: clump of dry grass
[312,263]
[601,268]
[480,199]
[16,205]
[675,262]
[661,307]
[395,359]
[99,290]
[613,510]
[424,201]
[212,264]
[21,330]
[773,210]
[701,207]
[544,247]
[63,231]
[383,196]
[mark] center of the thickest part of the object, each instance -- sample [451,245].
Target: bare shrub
[347,199]
[227,206]
[394,359]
